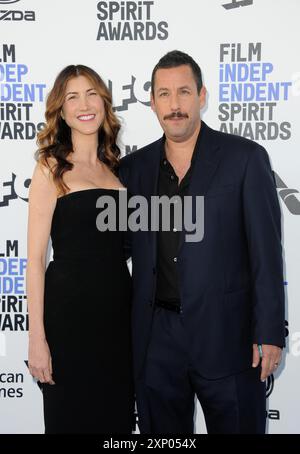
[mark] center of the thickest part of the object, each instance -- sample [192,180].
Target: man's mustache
[176,115]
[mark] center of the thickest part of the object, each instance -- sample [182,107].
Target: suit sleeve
[263,228]
[123,172]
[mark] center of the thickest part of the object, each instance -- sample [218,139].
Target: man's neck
[181,151]
[179,154]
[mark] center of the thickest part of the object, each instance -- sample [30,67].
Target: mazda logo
[8,1]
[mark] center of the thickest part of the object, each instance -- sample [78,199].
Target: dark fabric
[230,283]
[167,288]
[231,405]
[87,322]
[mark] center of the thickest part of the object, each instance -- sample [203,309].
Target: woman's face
[83,107]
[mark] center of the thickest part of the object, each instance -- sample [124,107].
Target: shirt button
[175,259]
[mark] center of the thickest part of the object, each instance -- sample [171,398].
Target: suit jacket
[231,282]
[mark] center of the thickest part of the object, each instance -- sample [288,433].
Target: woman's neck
[85,148]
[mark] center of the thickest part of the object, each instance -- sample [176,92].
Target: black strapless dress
[87,322]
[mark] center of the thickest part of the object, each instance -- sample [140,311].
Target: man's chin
[176,134]
[176,129]
[177,138]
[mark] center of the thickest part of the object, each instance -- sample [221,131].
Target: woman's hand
[39,359]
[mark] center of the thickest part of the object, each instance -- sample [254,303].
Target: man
[203,310]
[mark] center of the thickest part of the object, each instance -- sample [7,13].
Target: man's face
[177,103]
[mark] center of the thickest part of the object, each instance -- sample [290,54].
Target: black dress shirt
[167,288]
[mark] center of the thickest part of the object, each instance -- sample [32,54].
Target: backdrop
[249,54]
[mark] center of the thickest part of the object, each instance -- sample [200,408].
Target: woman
[79,311]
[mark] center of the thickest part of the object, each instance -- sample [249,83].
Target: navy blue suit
[231,282]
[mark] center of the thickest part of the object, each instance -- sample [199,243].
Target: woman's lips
[86,117]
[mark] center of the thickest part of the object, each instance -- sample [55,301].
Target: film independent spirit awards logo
[6,2]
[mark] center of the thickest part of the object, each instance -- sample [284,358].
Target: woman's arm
[42,201]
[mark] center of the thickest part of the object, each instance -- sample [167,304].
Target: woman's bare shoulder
[46,167]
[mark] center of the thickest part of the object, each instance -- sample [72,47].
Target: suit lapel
[149,176]
[149,185]
[206,163]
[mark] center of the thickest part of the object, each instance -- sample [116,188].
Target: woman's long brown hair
[54,141]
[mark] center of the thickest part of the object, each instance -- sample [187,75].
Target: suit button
[154,271]
[150,303]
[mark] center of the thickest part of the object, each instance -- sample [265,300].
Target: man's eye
[164,93]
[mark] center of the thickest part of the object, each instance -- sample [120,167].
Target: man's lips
[86,117]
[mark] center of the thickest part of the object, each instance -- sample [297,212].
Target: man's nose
[174,103]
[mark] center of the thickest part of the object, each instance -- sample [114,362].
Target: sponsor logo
[14,188]
[6,2]
[248,97]
[13,301]
[10,385]
[129,21]
[237,3]
[18,95]
[130,93]
[288,196]
[15,15]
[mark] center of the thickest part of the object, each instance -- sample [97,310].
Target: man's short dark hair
[177,58]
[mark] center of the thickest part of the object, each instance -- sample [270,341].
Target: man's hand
[271,357]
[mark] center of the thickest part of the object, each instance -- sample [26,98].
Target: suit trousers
[233,404]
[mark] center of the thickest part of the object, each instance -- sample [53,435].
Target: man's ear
[152,103]
[202,96]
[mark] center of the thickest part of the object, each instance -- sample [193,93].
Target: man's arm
[263,226]
[123,171]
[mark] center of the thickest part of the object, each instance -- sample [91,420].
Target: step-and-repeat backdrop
[249,54]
